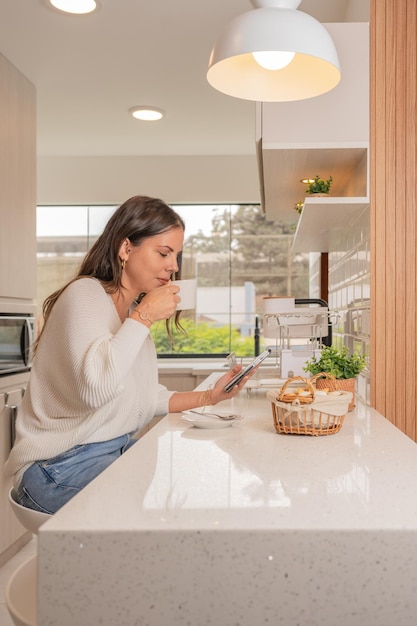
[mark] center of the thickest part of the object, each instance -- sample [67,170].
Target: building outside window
[237,256]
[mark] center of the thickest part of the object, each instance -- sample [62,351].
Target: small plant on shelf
[298,206]
[339,363]
[319,185]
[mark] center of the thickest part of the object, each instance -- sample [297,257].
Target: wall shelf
[323,221]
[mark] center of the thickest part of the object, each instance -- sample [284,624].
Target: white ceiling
[89,70]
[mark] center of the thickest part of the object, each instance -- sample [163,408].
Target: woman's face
[151,264]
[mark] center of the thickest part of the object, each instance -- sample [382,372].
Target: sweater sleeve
[164,395]
[94,349]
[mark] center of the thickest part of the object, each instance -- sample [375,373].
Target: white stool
[21,593]
[29,518]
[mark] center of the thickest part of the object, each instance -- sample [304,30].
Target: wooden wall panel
[410,200]
[393,211]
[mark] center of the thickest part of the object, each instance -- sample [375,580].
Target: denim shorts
[47,485]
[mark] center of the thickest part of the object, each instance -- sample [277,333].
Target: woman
[94,380]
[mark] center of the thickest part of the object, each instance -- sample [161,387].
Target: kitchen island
[240,526]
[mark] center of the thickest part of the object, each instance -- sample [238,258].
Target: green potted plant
[343,366]
[319,185]
[298,206]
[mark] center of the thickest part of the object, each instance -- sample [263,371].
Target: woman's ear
[125,249]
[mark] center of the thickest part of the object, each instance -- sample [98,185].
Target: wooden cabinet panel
[11,531]
[178,382]
[17,184]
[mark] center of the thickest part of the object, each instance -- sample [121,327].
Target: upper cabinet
[326,135]
[17,187]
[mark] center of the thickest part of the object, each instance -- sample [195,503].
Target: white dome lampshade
[78,7]
[311,66]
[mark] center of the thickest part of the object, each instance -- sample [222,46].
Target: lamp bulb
[273,60]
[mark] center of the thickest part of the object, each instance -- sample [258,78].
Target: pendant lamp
[274,53]
[78,7]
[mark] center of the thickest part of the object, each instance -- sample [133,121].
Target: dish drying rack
[299,334]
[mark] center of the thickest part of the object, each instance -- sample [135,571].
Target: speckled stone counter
[241,527]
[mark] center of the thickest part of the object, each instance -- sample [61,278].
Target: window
[237,256]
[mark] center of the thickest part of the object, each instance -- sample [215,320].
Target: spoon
[224,416]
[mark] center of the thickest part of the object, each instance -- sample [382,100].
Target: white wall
[357,11]
[181,179]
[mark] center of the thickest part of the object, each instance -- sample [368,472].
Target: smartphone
[247,370]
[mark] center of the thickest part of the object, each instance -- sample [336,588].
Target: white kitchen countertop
[241,526]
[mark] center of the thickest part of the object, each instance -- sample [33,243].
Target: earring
[123,264]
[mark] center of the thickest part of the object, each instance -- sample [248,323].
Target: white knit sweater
[93,379]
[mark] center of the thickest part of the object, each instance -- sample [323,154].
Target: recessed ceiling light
[75,6]
[147,114]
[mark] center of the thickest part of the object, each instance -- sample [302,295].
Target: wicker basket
[312,414]
[325,380]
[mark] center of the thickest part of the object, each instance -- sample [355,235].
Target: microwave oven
[17,335]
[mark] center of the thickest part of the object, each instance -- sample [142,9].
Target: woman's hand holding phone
[247,371]
[229,385]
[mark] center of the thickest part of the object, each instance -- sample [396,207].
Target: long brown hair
[136,219]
